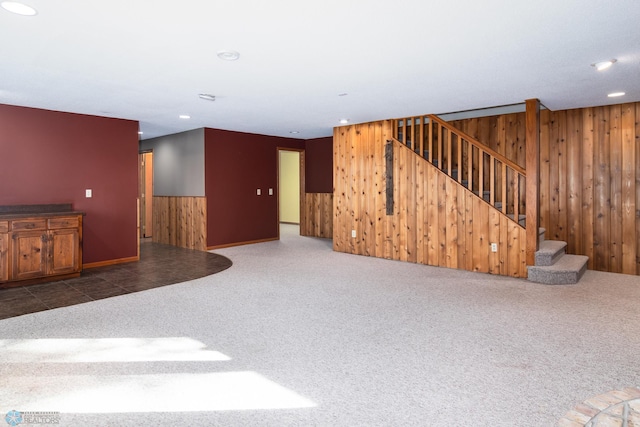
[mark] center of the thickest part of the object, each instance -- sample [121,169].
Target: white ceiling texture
[303,66]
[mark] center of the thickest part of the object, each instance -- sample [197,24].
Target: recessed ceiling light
[343,94]
[344,121]
[184,116]
[603,65]
[207,97]
[228,55]
[18,8]
[616,94]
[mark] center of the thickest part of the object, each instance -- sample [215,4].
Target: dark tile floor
[159,265]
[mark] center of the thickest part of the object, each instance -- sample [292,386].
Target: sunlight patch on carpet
[220,391]
[96,350]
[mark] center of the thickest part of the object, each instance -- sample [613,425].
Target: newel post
[533,177]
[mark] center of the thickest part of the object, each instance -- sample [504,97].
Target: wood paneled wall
[180,221]
[435,221]
[504,134]
[590,191]
[317,216]
[589,178]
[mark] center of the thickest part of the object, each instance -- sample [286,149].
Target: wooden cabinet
[40,248]
[4,251]
[28,255]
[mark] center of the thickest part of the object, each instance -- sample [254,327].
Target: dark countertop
[30,211]
[9,216]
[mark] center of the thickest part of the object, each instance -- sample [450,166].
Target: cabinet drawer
[4,226]
[63,222]
[29,224]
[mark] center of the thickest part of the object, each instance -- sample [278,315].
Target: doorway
[146,194]
[290,186]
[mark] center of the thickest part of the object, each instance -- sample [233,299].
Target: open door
[290,186]
[146,194]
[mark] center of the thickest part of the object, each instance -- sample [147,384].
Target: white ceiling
[148,60]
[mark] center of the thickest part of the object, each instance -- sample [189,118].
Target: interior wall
[319,165]
[52,157]
[589,178]
[289,186]
[434,220]
[178,163]
[236,165]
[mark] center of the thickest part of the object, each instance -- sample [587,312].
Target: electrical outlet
[353,233]
[88,193]
[494,247]
[258,192]
[271,191]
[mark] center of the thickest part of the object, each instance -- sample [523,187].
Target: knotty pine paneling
[589,177]
[180,221]
[318,215]
[435,221]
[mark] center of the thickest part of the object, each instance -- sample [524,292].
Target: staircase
[492,177]
[554,266]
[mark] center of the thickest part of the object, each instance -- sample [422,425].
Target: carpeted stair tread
[549,252]
[568,269]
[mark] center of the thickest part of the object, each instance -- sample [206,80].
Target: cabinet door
[4,257]
[64,251]
[28,254]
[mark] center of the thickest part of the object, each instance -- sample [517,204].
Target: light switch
[88,193]
[258,192]
[271,191]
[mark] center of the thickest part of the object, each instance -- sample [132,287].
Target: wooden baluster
[516,197]
[422,124]
[460,168]
[404,131]
[470,167]
[504,188]
[481,173]
[492,182]
[441,138]
[450,137]
[412,140]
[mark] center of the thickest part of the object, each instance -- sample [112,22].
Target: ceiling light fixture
[294,132]
[228,55]
[184,116]
[344,121]
[343,94]
[18,8]
[616,94]
[207,97]
[603,65]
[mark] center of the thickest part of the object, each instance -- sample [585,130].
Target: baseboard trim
[250,242]
[111,262]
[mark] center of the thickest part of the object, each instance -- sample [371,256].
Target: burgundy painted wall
[236,164]
[319,165]
[52,157]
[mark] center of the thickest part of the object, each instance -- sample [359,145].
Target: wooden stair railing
[490,175]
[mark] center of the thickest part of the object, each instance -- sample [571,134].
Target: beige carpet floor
[294,334]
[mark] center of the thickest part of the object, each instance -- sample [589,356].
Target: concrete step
[567,270]
[549,251]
